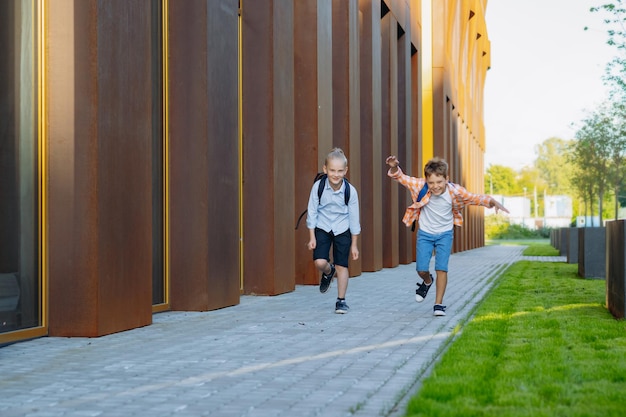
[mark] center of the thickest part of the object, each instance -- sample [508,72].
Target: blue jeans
[442,245]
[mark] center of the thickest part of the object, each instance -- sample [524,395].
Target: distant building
[588,221]
[557,211]
[519,210]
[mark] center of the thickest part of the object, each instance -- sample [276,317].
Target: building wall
[255,94]
[460,61]
[99,164]
[203,154]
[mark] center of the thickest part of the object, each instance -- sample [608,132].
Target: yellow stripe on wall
[427,83]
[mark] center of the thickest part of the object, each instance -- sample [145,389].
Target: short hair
[436,166]
[336,153]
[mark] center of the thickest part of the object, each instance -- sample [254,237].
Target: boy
[333,222]
[438,211]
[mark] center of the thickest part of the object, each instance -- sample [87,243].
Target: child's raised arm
[392,161]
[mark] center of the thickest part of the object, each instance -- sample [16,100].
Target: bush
[498,227]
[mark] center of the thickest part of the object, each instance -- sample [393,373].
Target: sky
[546,72]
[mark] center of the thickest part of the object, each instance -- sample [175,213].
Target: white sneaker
[439,310]
[422,290]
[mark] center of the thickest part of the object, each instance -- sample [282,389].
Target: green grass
[536,247]
[516,242]
[541,249]
[541,343]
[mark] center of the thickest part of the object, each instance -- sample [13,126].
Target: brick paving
[287,355]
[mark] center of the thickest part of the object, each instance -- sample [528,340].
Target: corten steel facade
[156,153]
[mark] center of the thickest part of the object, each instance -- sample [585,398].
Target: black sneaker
[327,279]
[341,307]
[439,310]
[422,290]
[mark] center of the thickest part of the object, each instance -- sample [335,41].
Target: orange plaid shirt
[460,198]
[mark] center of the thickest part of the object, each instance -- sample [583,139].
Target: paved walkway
[288,355]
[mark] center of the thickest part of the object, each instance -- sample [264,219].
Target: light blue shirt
[332,214]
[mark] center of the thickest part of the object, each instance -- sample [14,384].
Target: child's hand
[312,244]
[355,252]
[392,161]
[498,206]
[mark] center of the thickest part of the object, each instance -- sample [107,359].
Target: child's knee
[321,264]
[424,274]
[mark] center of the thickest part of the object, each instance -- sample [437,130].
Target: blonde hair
[336,153]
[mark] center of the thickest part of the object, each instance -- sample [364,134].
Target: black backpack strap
[300,218]
[319,176]
[421,195]
[320,189]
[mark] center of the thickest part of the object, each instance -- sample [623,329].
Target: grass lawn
[541,249]
[516,242]
[541,343]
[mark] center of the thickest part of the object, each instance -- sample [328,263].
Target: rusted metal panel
[405,147]
[124,164]
[268,149]
[372,160]
[389,137]
[616,268]
[99,168]
[204,185]
[346,95]
[306,129]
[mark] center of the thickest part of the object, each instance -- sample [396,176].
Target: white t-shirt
[436,216]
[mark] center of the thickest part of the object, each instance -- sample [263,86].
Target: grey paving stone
[287,355]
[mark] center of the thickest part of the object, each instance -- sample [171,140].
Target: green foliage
[613,133]
[495,226]
[501,180]
[615,71]
[553,165]
[550,174]
[498,227]
[542,343]
[599,155]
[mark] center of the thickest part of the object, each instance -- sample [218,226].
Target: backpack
[421,195]
[320,189]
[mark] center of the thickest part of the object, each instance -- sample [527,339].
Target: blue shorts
[440,243]
[341,246]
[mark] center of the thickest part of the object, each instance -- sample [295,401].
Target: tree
[593,151]
[615,79]
[617,151]
[531,178]
[552,163]
[501,180]
[615,71]
[582,180]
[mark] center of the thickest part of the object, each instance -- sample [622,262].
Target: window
[20,278]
